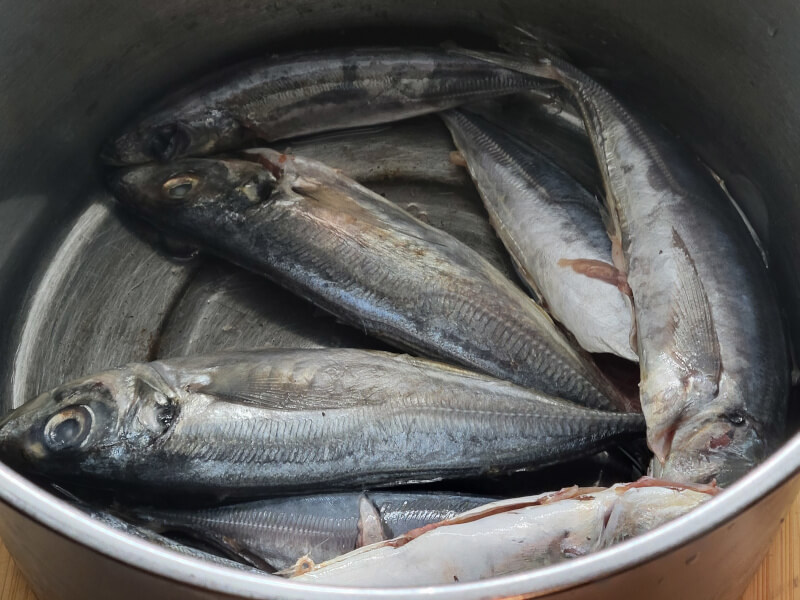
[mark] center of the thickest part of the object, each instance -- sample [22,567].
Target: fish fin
[306,185]
[262,385]
[659,440]
[598,269]
[457,158]
[371,528]
[633,337]
[696,348]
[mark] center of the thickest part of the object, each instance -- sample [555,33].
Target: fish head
[87,427]
[713,445]
[176,133]
[190,194]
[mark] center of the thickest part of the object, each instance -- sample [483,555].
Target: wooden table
[778,578]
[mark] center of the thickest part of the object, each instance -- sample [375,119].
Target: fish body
[554,231]
[277,532]
[297,94]
[365,260]
[510,536]
[286,421]
[713,355]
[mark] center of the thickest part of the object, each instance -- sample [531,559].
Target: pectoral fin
[370,524]
[271,387]
[696,347]
[458,159]
[597,269]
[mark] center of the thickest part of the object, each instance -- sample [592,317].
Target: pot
[79,290]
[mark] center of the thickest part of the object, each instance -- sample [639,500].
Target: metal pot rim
[72,523]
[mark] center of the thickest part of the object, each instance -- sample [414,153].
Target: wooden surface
[778,578]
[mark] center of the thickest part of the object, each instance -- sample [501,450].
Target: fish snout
[129,148]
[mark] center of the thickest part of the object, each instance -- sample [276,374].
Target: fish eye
[736,418]
[168,141]
[68,428]
[177,188]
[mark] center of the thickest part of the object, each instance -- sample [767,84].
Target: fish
[308,92]
[276,422]
[553,229]
[511,536]
[367,261]
[276,533]
[713,355]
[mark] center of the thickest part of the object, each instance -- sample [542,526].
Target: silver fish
[242,424]
[276,533]
[511,536]
[309,92]
[553,230]
[365,260]
[713,355]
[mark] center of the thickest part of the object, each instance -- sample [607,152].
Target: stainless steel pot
[721,72]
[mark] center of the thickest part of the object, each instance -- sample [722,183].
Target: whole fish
[553,229]
[365,260]
[308,92]
[510,536]
[276,533]
[713,356]
[281,421]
